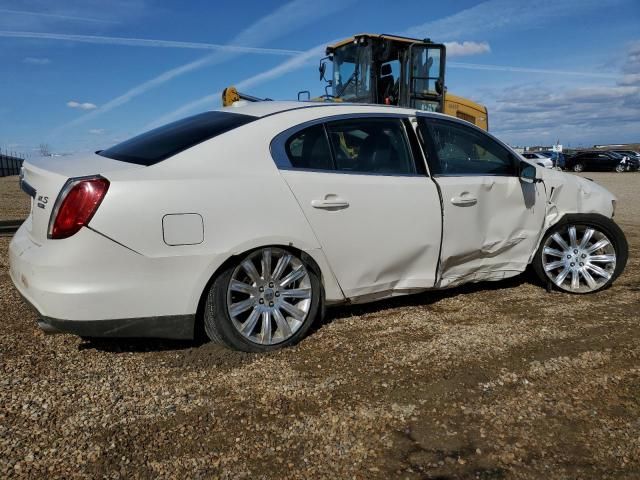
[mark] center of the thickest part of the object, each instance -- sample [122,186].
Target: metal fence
[9,165]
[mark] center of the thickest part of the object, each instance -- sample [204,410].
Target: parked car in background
[246,221]
[629,153]
[539,159]
[599,161]
[627,163]
[556,157]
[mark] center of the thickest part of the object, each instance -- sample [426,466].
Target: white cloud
[543,112]
[457,49]
[146,42]
[41,15]
[36,61]
[630,79]
[305,58]
[54,16]
[96,131]
[546,71]
[501,15]
[81,105]
[285,19]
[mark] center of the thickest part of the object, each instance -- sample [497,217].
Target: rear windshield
[161,143]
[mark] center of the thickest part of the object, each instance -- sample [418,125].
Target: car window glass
[309,149]
[463,150]
[163,142]
[371,145]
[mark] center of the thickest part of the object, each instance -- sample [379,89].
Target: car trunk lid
[43,179]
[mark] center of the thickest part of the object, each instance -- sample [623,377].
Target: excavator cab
[387,69]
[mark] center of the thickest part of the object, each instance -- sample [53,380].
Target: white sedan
[538,159]
[246,222]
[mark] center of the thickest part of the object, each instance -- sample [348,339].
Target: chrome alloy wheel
[269,296]
[579,258]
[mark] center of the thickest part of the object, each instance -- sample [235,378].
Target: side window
[463,150]
[309,149]
[371,145]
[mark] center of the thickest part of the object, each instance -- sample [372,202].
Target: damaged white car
[248,221]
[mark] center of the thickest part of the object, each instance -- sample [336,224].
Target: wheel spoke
[238,286]
[602,258]
[282,323]
[301,293]
[588,233]
[560,241]
[250,268]
[295,312]
[243,306]
[590,281]
[294,275]
[265,263]
[598,271]
[575,279]
[265,332]
[561,276]
[250,323]
[573,241]
[281,266]
[553,251]
[553,265]
[598,245]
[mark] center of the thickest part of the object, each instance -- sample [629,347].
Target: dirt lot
[500,380]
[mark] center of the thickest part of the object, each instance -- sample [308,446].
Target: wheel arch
[313,258]
[567,218]
[596,219]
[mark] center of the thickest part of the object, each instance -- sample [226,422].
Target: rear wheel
[268,300]
[620,168]
[582,255]
[578,167]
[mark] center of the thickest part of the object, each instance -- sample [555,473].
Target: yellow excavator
[388,70]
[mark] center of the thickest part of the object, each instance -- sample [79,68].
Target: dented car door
[367,197]
[492,220]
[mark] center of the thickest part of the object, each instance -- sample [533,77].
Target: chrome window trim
[278,149]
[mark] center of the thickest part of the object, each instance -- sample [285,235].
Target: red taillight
[76,204]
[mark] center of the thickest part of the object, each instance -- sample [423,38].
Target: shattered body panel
[498,236]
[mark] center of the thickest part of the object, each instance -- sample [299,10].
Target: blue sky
[83,75]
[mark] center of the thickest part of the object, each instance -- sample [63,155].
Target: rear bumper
[178,327]
[89,285]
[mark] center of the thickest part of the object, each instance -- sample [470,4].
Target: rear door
[492,221]
[366,195]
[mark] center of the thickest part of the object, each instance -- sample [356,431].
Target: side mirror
[322,69]
[528,173]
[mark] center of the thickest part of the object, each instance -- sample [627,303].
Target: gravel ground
[496,380]
[14,204]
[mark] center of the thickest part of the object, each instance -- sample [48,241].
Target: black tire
[599,222]
[578,167]
[218,324]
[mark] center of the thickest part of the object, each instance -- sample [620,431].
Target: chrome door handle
[330,202]
[464,201]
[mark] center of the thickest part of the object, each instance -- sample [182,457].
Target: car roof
[267,108]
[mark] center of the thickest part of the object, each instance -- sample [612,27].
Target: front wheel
[620,168]
[578,167]
[267,300]
[582,254]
